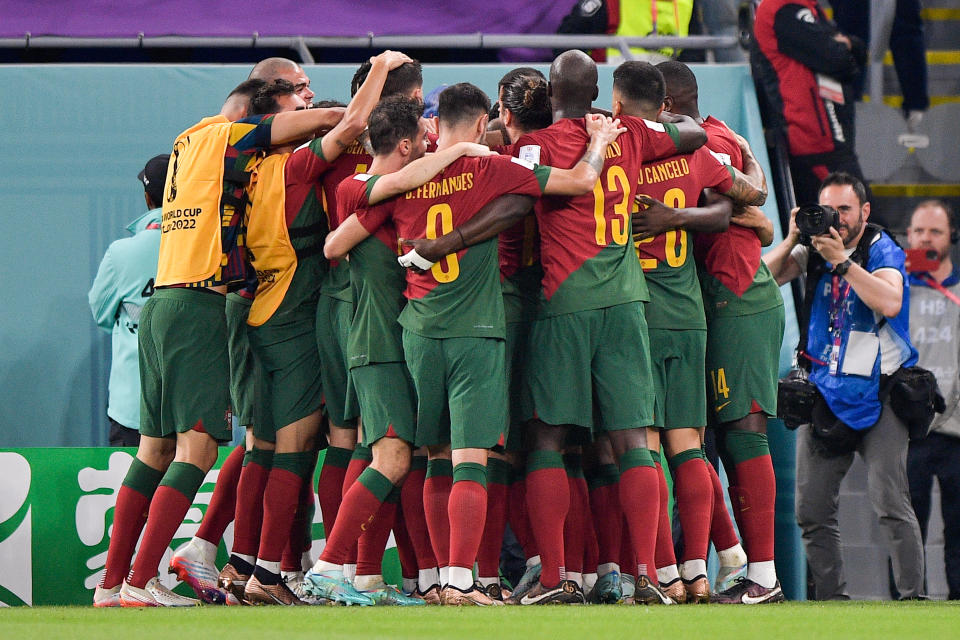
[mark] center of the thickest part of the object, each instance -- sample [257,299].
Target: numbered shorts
[743,363]
[677,359]
[333,329]
[592,369]
[517,349]
[388,401]
[465,379]
[184,365]
[286,346]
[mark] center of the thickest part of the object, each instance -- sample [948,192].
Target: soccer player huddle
[495,316]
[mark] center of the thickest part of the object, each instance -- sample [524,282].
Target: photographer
[934,324]
[856,338]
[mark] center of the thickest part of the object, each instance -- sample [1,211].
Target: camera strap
[949,295]
[816,266]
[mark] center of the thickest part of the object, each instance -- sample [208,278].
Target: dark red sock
[605,508]
[373,540]
[467,512]
[414,520]
[436,498]
[694,493]
[519,520]
[488,558]
[249,516]
[405,550]
[129,516]
[756,496]
[640,501]
[300,538]
[664,555]
[591,549]
[358,511]
[354,470]
[573,524]
[223,503]
[548,502]
[330,484]
[627,558]
[722,533]
[167,510]
[280,498]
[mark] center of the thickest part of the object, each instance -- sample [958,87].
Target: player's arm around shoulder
[351,196]
[581,178]
[422,170]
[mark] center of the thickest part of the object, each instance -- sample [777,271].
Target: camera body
[816,219]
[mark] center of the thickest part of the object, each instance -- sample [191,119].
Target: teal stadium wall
[75,137]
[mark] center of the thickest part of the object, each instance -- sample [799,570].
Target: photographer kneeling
[853,336]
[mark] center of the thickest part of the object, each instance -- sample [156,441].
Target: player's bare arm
[355,117]
[345,237]
[496,216]
[297,125]
[422,170]
[753,217]
[690,135]
[750,185]
[580,179]
[656,218]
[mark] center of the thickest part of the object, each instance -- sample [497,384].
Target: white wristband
[414,259]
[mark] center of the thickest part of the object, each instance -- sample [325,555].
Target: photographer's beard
[850,234]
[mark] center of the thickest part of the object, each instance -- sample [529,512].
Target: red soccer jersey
[678,181]
[732,256]
[354,159]
[460,295]
[585,247]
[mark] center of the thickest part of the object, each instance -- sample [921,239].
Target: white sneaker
[106,597]
[153,594]
[191,565]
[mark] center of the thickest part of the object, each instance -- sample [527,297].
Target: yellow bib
[654,18]
[268,240]
[190,246]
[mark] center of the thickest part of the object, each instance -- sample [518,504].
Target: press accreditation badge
[835,356]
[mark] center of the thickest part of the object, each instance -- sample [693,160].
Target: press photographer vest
[268,240]
[195,208]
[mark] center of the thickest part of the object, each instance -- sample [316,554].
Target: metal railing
[303,44]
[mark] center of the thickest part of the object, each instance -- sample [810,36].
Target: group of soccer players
[504,329]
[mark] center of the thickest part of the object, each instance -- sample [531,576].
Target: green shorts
[286,346]
[465,379]
[592,369]
[518,387]
[333,328]
[388,401]
[243,370]
[677,359]
[184,365]
[743,363]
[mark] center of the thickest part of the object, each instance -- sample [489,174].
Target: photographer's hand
[830,246]
[783,267]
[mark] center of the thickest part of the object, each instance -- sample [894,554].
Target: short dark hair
[943,204]
[265,100]
[840,178]
[402,80]
[678,76]
[393,119]
[525,95]
[326,104]
[460,102]
[247,89]
[640,82]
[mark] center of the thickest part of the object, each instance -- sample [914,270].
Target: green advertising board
[56,517]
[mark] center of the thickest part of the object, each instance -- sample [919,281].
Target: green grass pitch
[810,621]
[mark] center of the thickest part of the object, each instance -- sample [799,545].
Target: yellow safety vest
[660,17]
[268,240]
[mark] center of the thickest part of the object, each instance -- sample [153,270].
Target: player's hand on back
[653,218]
[603,127]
